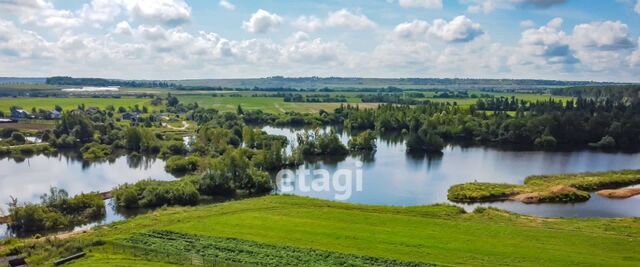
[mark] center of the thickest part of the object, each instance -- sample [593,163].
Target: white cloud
[345,18]
[638,7]
[308,23]
[527,24]
[301,48]
[487,6]
[460,29]
[634,58]
[152,33]
[123,27]
[342,18]
[17,43]
[607,35]
[43,12]
[412,30]
[431,4]
[262,21]
[168,12]
[101,10]
[227,5]
[547,43]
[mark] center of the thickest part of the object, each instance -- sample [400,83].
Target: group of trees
[546,124]
[315,98]
[316,143]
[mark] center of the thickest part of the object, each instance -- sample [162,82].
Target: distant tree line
[64,80]
[614,92]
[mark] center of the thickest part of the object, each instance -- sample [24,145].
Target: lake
[390,177]
[393,177]
[28,179]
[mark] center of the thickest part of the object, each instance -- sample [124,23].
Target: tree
[172,101]
[425,141]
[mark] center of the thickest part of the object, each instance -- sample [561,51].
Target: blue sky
[178,39]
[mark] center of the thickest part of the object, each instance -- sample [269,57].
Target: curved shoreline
[560,188]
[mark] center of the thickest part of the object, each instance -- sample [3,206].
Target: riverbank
[560,188]
[437,234]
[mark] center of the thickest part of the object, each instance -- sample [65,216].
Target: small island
[559,188]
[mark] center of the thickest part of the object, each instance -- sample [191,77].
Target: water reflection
[31,177]
[393,177]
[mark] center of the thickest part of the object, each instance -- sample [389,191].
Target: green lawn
[70,103]
[429,234]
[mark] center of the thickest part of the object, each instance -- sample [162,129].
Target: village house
[130,116]
[53,115]
[19,114]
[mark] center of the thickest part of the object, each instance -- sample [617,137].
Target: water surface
[27,179]
[393,177]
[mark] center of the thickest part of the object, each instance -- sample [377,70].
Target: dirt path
[38,144]
[185,125]
[280,108]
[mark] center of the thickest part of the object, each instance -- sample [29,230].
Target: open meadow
[441,235]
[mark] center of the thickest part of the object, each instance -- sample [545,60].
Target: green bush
[56,211]
[180,164]
[94,151]
[149,194]
[18,138]
[365,141]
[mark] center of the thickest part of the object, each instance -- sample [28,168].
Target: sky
[182,39]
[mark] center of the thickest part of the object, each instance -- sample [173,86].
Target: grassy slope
[432,234]
[70,103]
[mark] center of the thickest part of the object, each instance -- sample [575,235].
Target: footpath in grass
[560,188]
[439,234]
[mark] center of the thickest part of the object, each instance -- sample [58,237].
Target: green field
[437,234]
[266,104]
[277,104]
[46,103]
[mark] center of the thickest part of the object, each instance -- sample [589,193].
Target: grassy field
[545,188]
[70,103]
[436,234]
[266,104]
[277,104]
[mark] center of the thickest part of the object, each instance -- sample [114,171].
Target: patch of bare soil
[619,193]
[536,197]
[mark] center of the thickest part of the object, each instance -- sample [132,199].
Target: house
[19,114]
[92,110]
[53,115]
[130,116]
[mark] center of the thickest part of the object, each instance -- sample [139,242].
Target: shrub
[607,142]
[94,151]
[18,138]
[56,211]
[149,194]
[546,142]
[365,141]
[179,164]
